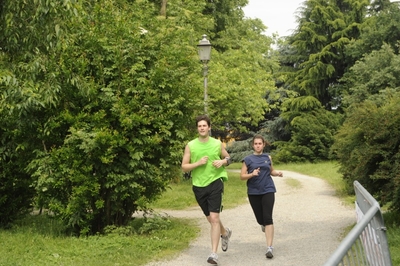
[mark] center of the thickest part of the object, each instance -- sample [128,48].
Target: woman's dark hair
[258,136]
[203,117]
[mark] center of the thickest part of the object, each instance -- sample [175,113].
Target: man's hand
[203,160]
[218,163]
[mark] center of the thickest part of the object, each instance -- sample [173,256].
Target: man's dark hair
[203,117]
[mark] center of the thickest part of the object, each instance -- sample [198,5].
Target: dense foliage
[98,100]
[312,129]
[97,139]
[324,29]
[368,146]
[339,77]
[368,143]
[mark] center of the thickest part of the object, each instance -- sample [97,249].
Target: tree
[372,77]
[99,103]
[240,78]
[367,145]
[306,133]
[27,87]
[98,112]
[163,10]
[16,193]
[226,15]
[368,148]
[312,129]
[380,27]
[325,28]
[125,137]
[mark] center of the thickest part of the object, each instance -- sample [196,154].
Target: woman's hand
[278,173]
[256,172]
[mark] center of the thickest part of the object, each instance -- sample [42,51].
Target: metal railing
[366,243]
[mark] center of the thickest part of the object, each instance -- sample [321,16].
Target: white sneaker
[213,259]
[225,239]
[269,254]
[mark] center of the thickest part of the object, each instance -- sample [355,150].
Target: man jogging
[206,157]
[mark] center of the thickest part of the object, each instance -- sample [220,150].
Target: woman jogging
[257,169]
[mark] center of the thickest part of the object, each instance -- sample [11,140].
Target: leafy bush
[154,223]
[239,149]
[312,129]
[15,197]
[98,106]
[368,149]
[16,192]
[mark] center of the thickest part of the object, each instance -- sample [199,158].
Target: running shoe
[225,239]
[269,254]
[213,259]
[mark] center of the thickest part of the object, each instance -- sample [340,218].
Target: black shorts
[209,198]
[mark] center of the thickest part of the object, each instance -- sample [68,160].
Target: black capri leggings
[263,206]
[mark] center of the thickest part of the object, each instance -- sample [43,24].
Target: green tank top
[205,174]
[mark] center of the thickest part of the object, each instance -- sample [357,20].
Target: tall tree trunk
[163,11]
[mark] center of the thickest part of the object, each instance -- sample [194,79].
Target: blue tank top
[263,183]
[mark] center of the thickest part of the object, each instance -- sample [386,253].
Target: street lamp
[204,48]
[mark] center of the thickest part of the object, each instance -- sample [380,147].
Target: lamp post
[204,48]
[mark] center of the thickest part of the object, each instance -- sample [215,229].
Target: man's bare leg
[216,227]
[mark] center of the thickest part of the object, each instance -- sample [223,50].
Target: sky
[277,15]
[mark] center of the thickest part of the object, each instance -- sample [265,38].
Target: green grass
[324,170]
[392,222]
[178,196]
[393,235]
[37,240]
[294,183]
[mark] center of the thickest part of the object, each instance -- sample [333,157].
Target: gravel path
[309,222]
